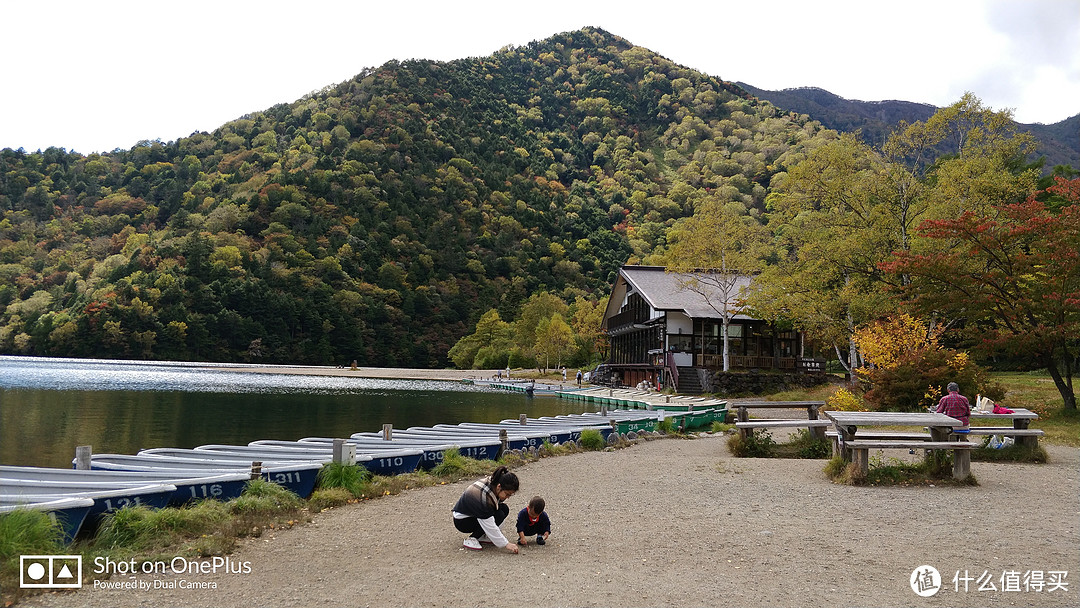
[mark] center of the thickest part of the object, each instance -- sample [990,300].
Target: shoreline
[668,522]
[397,373]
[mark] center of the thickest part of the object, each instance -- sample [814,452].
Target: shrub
[592,439]
[845,401]
[806,445]
[353,478]
[919,378]
[666,426]
[753,445]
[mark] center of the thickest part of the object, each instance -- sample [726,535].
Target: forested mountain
[1058,142]
[377,219]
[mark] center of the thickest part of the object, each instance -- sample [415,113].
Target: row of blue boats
[160,477]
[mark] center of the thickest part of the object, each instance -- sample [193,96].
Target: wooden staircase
[689,381]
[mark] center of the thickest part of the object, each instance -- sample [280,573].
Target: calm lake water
[50,406]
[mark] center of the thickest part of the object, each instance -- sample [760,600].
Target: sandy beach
[668,522]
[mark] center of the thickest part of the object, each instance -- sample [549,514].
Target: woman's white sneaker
[471,543]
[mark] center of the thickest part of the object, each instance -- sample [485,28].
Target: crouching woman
[481,510]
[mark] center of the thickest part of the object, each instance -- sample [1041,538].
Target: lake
[50,406]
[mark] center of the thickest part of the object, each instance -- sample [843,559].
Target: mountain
[1058,142]
[377,219]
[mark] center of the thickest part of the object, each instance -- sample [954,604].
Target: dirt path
[667,523]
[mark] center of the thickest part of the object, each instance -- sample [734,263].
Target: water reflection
[49,406]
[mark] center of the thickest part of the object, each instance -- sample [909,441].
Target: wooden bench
[747,426]
[812,407]
[1005,430]
[1028,437]
[882,435]
[860,452]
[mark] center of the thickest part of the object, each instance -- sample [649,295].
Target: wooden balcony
[741,362]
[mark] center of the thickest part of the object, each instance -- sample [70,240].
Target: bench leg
[861,458]
[961,464]
[836,447]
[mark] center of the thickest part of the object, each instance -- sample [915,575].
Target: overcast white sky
[97,75]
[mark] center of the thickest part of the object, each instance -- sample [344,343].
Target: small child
[532,520]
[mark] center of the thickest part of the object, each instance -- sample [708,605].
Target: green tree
[492,334]
[718,248]
[1012,274]
[539,307]
[554,340]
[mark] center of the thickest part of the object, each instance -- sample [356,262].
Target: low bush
[806,445]
[592,439]
[353,478]
[752,445]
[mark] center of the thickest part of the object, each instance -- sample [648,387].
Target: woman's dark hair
[504,478]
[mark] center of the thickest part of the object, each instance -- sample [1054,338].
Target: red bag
[1001,410]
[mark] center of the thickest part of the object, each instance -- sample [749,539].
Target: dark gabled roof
[668,290]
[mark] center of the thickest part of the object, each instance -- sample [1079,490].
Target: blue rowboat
[385,457]
[555,434]
[189,487]
[574,426]
[390,462]
[515,440]
[479,448]
[107,500]
[432,450]
[69,513]
[297,477]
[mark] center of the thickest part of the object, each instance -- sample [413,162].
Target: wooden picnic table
[1021,419]
[812,408]
[940,426]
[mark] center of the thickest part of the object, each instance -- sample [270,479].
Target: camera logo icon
[50,571]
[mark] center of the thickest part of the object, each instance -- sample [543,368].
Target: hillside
[378,218]
[1058,142]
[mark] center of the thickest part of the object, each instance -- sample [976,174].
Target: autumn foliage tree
[908,369]
[1012,273]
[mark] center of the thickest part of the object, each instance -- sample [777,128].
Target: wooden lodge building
[668,334]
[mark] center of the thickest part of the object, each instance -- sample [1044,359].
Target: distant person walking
[579,377]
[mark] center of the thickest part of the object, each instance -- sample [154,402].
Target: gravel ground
[667,522]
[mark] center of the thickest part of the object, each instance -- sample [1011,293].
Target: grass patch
[25,532]
[720,427]
[665,426]
[141,529]
[1012,453]
[592,439]
[935,469]
[352,478]
[455,465]
[760,444]
[263,498]
[326,498]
